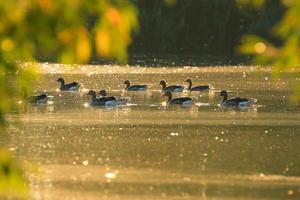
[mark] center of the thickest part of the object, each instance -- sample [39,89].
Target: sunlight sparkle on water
[174,134]
[85,163]
[86,105]
[111,175]
[164,103]
[84,90]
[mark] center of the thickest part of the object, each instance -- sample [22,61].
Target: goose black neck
[62,82]
[190,85]
[169,97]
[164,85]
[224,97]
[127,85]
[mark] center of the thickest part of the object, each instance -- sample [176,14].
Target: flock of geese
[104,100]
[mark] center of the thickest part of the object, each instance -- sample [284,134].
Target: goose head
[103,93]
[127,83]
[92,93]
[60,80]
[189,81]
[224,94]
[162,82]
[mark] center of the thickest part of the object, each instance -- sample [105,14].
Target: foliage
[12,182]
[67,32]
[285,55]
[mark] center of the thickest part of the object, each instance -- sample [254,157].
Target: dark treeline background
[200,27]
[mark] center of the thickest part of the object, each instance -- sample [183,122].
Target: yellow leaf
[65,37]
[102,42]
[114,17]
[83,50]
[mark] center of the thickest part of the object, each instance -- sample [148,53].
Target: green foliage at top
[63,29]
[285,55]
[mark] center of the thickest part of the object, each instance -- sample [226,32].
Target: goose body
[170,88]
[134,87]
[235,102]
[74,86]
[100,101]
[183,101]
[196,88]
[38,99]
[114,101]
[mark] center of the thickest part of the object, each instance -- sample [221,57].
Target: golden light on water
[86,105]
[260,47]
[111,175]
[85,163]
[84,90]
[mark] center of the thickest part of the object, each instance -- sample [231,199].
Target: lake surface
[149,151]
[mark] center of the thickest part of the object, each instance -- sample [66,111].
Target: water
[149,151]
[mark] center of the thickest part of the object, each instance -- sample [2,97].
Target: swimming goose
[171,88]
[184,101]
[70,86]
[134,87]
[196,88]
[100,101]
[236,101]
[103,93]
[116,101]
[38,99]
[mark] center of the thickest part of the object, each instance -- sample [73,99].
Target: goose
[184,101]
[103,93]
[236,101]
[70,86]
[171,88]
[134,87]
[196,88]
[100,101]
[38,99]
[117,101]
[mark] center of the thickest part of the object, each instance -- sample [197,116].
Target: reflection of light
[110,175]
[50,102]
[260,47]
[20,102]
[84,90]
[57,90]
[86,105]
[164,103]
[85,163]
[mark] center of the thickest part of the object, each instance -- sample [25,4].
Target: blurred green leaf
[284,57]
[12,182]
